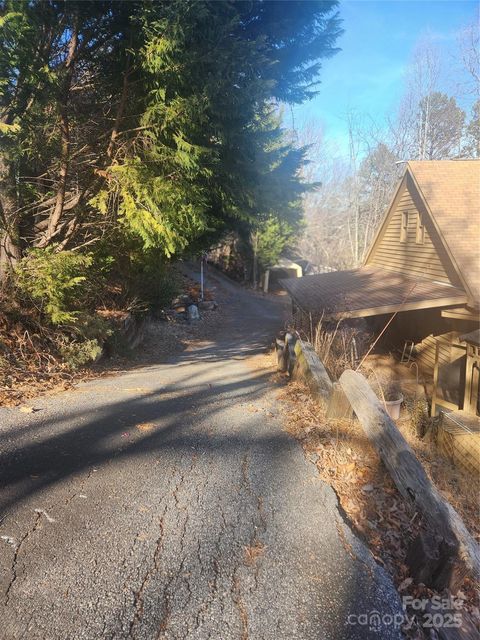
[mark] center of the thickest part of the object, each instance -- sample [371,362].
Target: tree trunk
[254,241]
[62,183]
[120,112]
[57,212]
[10,251]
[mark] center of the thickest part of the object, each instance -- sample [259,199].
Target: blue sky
[368,74]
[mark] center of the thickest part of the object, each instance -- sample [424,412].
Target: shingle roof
[368,291]
[472,338]
[451,189]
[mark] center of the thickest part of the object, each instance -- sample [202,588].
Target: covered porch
[368,291]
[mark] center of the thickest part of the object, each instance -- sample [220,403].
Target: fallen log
[446,552]
[451,624]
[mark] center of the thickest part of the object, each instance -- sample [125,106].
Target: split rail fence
[443,554]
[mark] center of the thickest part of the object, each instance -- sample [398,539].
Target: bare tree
[324,241]
[378,176]
[469,48]
[343,214]
[411,129]
[408,131]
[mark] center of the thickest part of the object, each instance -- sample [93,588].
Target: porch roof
[472,338]
[369,291]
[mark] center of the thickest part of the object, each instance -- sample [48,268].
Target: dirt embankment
[31,365]
[372,505]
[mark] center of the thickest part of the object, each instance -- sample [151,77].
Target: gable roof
[451,191]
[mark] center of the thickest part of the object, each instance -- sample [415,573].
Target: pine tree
[157,121]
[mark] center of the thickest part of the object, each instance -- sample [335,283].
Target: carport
[283,269]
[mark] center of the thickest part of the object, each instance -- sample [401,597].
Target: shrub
[53,280]
[77,354]
[60,284]
[134,279]
[340,345]
[89,327]
[157,284]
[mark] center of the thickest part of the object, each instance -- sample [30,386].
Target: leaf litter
[373,506]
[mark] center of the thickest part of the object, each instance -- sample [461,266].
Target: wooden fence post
[339,407]
[447,552]
[290,340]
[281,349]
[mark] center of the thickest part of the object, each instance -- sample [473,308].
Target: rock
[207,305]
[192,313]
[174,314]
[181,301]
[367,488]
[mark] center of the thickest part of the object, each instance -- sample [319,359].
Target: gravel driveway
[167,502]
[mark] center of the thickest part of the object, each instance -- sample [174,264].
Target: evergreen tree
[440,129]
[472,134]
[151,121]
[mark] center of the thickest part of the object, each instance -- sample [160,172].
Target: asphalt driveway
[167,502]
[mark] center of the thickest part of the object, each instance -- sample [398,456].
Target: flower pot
[392,407]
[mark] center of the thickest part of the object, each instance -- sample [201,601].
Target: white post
[266,279]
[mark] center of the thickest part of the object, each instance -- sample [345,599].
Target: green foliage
[141,130]
[60,284]
[53,280]
[272,238]
[90,326]
[163,213]
[441,126]
[188,88]
[211,148]
[134,278]
[155,282]
[78,354]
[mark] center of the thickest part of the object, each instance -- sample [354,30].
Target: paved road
[167,502]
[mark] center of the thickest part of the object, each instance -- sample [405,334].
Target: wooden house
[423,266]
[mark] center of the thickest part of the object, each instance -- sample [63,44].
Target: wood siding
[425,352]
[427,260]
[463,313]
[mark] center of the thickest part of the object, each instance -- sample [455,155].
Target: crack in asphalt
[216,569]
[176,535]
[39,512]
[16,555]
[237,597]
[259,529]
[155,564]
[349,549]
[153,568]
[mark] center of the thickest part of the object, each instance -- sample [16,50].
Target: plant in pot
[392,398]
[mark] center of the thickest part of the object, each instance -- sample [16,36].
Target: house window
[420,239]
[404,228]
